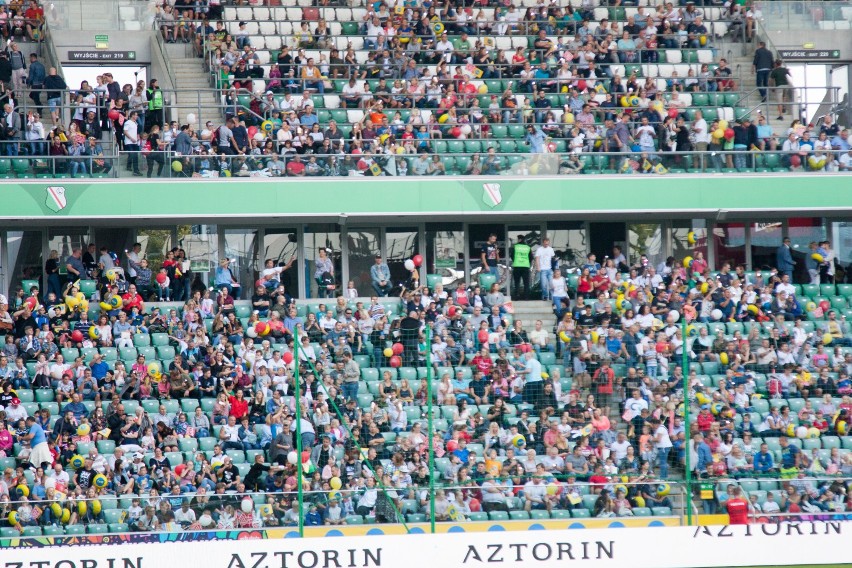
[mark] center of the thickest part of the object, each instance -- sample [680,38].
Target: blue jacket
[763,463]
[705,456]
[784,259]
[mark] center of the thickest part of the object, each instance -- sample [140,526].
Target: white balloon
[247,505]
[802,432]
[292,458]
[50,483]
[409,264]
[466,129]
[190,118]
[716,314]
[251,332]
[674,315]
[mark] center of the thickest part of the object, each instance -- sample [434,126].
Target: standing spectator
[784,259]
[544,262]
[131,143]
[762,65]
[490,255]
[19,67]
[35,79]
[521,254]
[155,104]
[55,85]
[780,76]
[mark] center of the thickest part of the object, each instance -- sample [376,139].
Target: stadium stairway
[531,310]
[192,84]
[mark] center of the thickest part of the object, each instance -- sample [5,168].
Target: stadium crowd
[123,413]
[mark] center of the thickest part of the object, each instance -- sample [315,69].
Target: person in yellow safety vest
[155,105]
[521,254]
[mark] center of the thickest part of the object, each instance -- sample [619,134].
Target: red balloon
[471,89]
[729,133]
[76,336]
[483,336]
[475,506]
[396,361]
[661,347]
[824,305]
[261,327]
[113,114]
[455,131]
[581,85]
[397,348]
[418,260]
[287,357]
[306,455]
[795,160]
[673,113]
[179,469]
[31,303]
[452,446]
[252,130]
[161,278]
[451,311]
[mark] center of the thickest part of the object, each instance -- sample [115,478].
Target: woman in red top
[239,405]
[482,361]
[584,284]
[600,282]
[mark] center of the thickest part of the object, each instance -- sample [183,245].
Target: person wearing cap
[380,277]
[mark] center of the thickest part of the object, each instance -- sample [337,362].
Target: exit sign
[101,42]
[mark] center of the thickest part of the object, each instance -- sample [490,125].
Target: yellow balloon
[817,257]
[719,133]
[13,518]
[827,339]
[105,307]
[723,124]
[690,237]
[388,352]
[72,302]
[704,287]
[594,336]
[335,483]
[443,118]
[640,501]
[723,358]
[687,261]
[483,89]
[96,507]
[564,337]
[568,118]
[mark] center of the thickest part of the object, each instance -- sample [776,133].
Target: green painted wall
[425,196]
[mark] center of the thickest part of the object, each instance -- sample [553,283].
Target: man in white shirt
[544,263]
[539,337]
[619,448]
[272,273]
[350,95]
[700,131]
[133,260]
[131,143]
[445,48]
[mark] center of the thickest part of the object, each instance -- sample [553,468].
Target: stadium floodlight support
[688,438]
[431,431]
[300,466]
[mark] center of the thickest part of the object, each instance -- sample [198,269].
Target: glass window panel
[766,237]
[843,246]
[64,240]
[364,245]
[802,231]
[647,239]
[241,248]
[24,256]
[279,246]
[569,242]
[729,239]
[681,246]
[401,243]
[155,242]
[199,242]
[325,236]
[478,237]
[445,246]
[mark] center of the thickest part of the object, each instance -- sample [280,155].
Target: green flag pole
[688,439]
[431,430]
[299,466]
